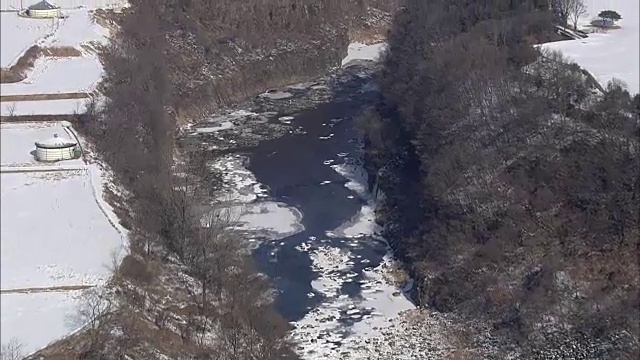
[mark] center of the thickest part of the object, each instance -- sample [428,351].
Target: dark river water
[293,162]
[293,168]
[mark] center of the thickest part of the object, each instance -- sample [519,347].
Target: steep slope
[511,184]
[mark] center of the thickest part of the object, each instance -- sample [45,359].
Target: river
[296,156]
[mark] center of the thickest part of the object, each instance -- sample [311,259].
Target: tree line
[512,184]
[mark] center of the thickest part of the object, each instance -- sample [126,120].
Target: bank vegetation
[511,181]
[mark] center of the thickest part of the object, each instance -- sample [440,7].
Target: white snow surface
[276,95]
[18,34]
[65,4]
[52,75]
[273,218]
[53,232]
[58,75]
[57,234]
[611,54]
[358,51]
[78,28]
[44,107]
[17,142]
[240,185]
[37,319]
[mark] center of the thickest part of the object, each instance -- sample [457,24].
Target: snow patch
[358,51]
[276,95]
[611,54]
[44,107]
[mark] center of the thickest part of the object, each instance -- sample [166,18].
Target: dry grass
[61,51]
[19,70]
[40,97]
[397,275]
[38,118]
[108,19]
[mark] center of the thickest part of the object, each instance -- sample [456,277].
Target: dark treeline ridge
[220,52]
[511,185]
[190,291]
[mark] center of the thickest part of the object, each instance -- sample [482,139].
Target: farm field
[67,68]
[18,141]
[64,4]
[53,75]
[30,31]
[59,237]
[39,317]
[53,232]
[42,107]
[611,54]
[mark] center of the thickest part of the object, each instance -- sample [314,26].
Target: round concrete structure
[55,149]
[43,10]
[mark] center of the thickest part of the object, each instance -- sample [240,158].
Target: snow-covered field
[53,232]
[65,4]
[611,54]
[17,143]
[43,107]
[58,236]
[78,28]
[39,317]
[51,76]
[18,34]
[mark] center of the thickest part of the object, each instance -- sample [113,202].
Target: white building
[43,10]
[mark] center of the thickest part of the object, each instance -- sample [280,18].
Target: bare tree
[11,110]
[562,9]
[576,10]
[212,252]
[95,311]
[12,350]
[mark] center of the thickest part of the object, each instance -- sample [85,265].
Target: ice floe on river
[363,312]
[241,191]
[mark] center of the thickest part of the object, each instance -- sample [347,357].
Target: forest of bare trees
[167,61]
[189,288]
[512,183]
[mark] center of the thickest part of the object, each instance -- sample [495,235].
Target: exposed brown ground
[37,118]
[20,69]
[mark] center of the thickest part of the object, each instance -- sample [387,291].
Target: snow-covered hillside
[611,54]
